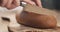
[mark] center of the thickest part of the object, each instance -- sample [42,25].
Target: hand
[34,2]
[10,4]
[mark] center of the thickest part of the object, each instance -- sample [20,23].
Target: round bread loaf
[36,20]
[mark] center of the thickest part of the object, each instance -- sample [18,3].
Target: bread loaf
[36,20]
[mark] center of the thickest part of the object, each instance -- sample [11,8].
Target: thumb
[38,2]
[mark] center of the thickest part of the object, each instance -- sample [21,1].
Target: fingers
[29,2]
[4,2]
[38,2]
[16,2]
[12,4]
[34,2]
[8,5]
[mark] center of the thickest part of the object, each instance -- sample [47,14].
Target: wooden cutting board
[29,29]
